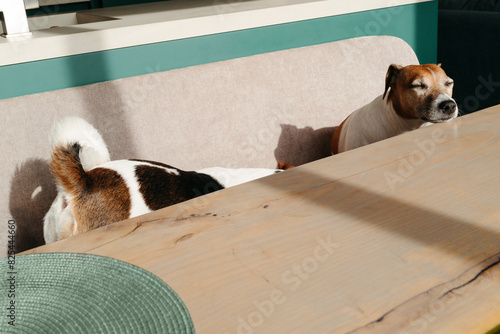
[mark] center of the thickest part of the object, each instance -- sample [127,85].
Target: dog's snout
[447,107]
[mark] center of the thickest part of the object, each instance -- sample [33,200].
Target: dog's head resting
[420,92]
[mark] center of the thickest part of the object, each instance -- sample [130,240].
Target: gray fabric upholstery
[246,112]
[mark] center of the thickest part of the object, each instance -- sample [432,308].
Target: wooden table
[402,236]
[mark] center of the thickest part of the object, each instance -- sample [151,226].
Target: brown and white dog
[414,96]
[94,191]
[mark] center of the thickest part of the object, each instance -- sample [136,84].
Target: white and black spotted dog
[94,191]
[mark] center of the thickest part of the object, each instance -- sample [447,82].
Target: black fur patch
[160,188]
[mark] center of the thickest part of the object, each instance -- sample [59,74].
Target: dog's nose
[447,107]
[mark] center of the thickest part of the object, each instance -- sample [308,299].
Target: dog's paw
[284,166]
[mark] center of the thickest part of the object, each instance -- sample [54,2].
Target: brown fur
[106,200]
[284,166]
[413,88]
[334,144]
[67,170]
[96,198]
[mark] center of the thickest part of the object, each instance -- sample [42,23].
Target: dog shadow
[299,146]
[31,194]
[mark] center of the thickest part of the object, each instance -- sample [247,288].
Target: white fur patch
[56,218]
[126,169]
[230,177]
[374,122]
[71,130]
[436,113]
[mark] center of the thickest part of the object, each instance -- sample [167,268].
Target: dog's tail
[77,147]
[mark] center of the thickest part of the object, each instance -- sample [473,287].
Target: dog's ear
[439,64]
[392,73]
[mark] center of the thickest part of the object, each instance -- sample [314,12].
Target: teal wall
[416,24]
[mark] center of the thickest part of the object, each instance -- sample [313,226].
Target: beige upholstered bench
[245,112]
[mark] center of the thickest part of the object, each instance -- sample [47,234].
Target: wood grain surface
[402,236]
